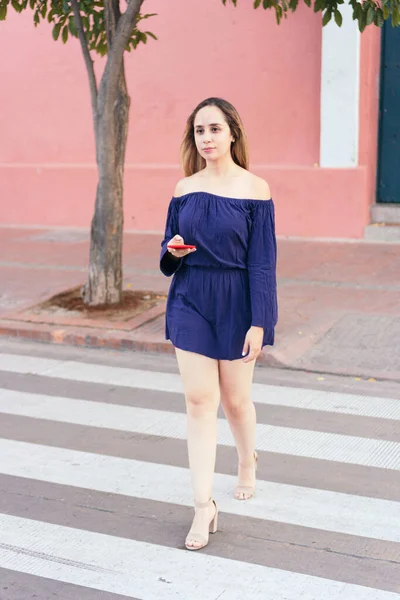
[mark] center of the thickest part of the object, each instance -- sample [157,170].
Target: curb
[83,337]
[90,337]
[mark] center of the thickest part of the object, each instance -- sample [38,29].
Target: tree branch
[88,60]
[112,15]
[122,35]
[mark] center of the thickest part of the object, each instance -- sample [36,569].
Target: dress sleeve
[168,264]
[261,264]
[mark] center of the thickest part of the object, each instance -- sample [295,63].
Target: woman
[222,306]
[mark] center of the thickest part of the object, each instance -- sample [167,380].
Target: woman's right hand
[177,239]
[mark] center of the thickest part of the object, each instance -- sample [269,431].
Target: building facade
[309,98]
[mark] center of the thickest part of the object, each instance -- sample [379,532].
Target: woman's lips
[208,149]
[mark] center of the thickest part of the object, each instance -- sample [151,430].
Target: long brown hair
[191,160]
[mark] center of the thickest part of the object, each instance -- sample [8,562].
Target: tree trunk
[104,284]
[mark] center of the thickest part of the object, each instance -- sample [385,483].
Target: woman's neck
[223,169]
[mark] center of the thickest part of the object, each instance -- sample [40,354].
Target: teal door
[389,128]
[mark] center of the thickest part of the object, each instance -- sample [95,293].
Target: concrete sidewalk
[339,303]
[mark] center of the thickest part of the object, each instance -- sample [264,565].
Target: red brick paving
[319,283]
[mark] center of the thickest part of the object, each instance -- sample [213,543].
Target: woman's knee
[200,403]
[237,408]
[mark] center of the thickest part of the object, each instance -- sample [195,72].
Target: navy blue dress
[229,283]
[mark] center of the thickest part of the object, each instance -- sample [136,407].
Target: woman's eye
[214,129]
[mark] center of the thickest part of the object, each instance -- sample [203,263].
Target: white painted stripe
[384,408]
[286,440]
[91,373]
[21,363]
[333,402]
[320,509]
[151,572]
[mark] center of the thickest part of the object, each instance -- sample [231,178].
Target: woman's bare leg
[235,384]
[201,385]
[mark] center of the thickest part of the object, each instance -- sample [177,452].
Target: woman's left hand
[253,343]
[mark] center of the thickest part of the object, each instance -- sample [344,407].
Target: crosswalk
[95,491]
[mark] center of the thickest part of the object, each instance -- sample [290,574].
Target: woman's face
[212,134]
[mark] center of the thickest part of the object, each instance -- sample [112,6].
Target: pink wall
[369,108]
[271,74]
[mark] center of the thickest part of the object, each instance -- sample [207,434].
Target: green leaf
[56,31]
[379,20]
[65,34]
[293,4]
[362,21]
[151,35]
[386,12]
[308,3]
[370,15]
[266,4]
[317,5]
[43,11]
[94,41]
[338,18]
[257,3]
[278,13]
[72,27]
[140,17]
[101,48]
[327,17]
[3,12]
[17,7]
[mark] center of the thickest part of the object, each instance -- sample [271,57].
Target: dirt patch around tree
[70,304]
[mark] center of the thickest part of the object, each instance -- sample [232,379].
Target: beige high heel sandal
[198,538]
[247,491]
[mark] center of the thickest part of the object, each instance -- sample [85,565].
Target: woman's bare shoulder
[259,188]
[186,185]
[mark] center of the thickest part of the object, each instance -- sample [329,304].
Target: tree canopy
[61,14]
[366,13]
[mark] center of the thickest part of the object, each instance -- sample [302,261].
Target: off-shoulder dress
[229,283]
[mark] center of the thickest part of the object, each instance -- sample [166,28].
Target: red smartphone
[181,246]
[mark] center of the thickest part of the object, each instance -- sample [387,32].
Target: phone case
[181,246]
